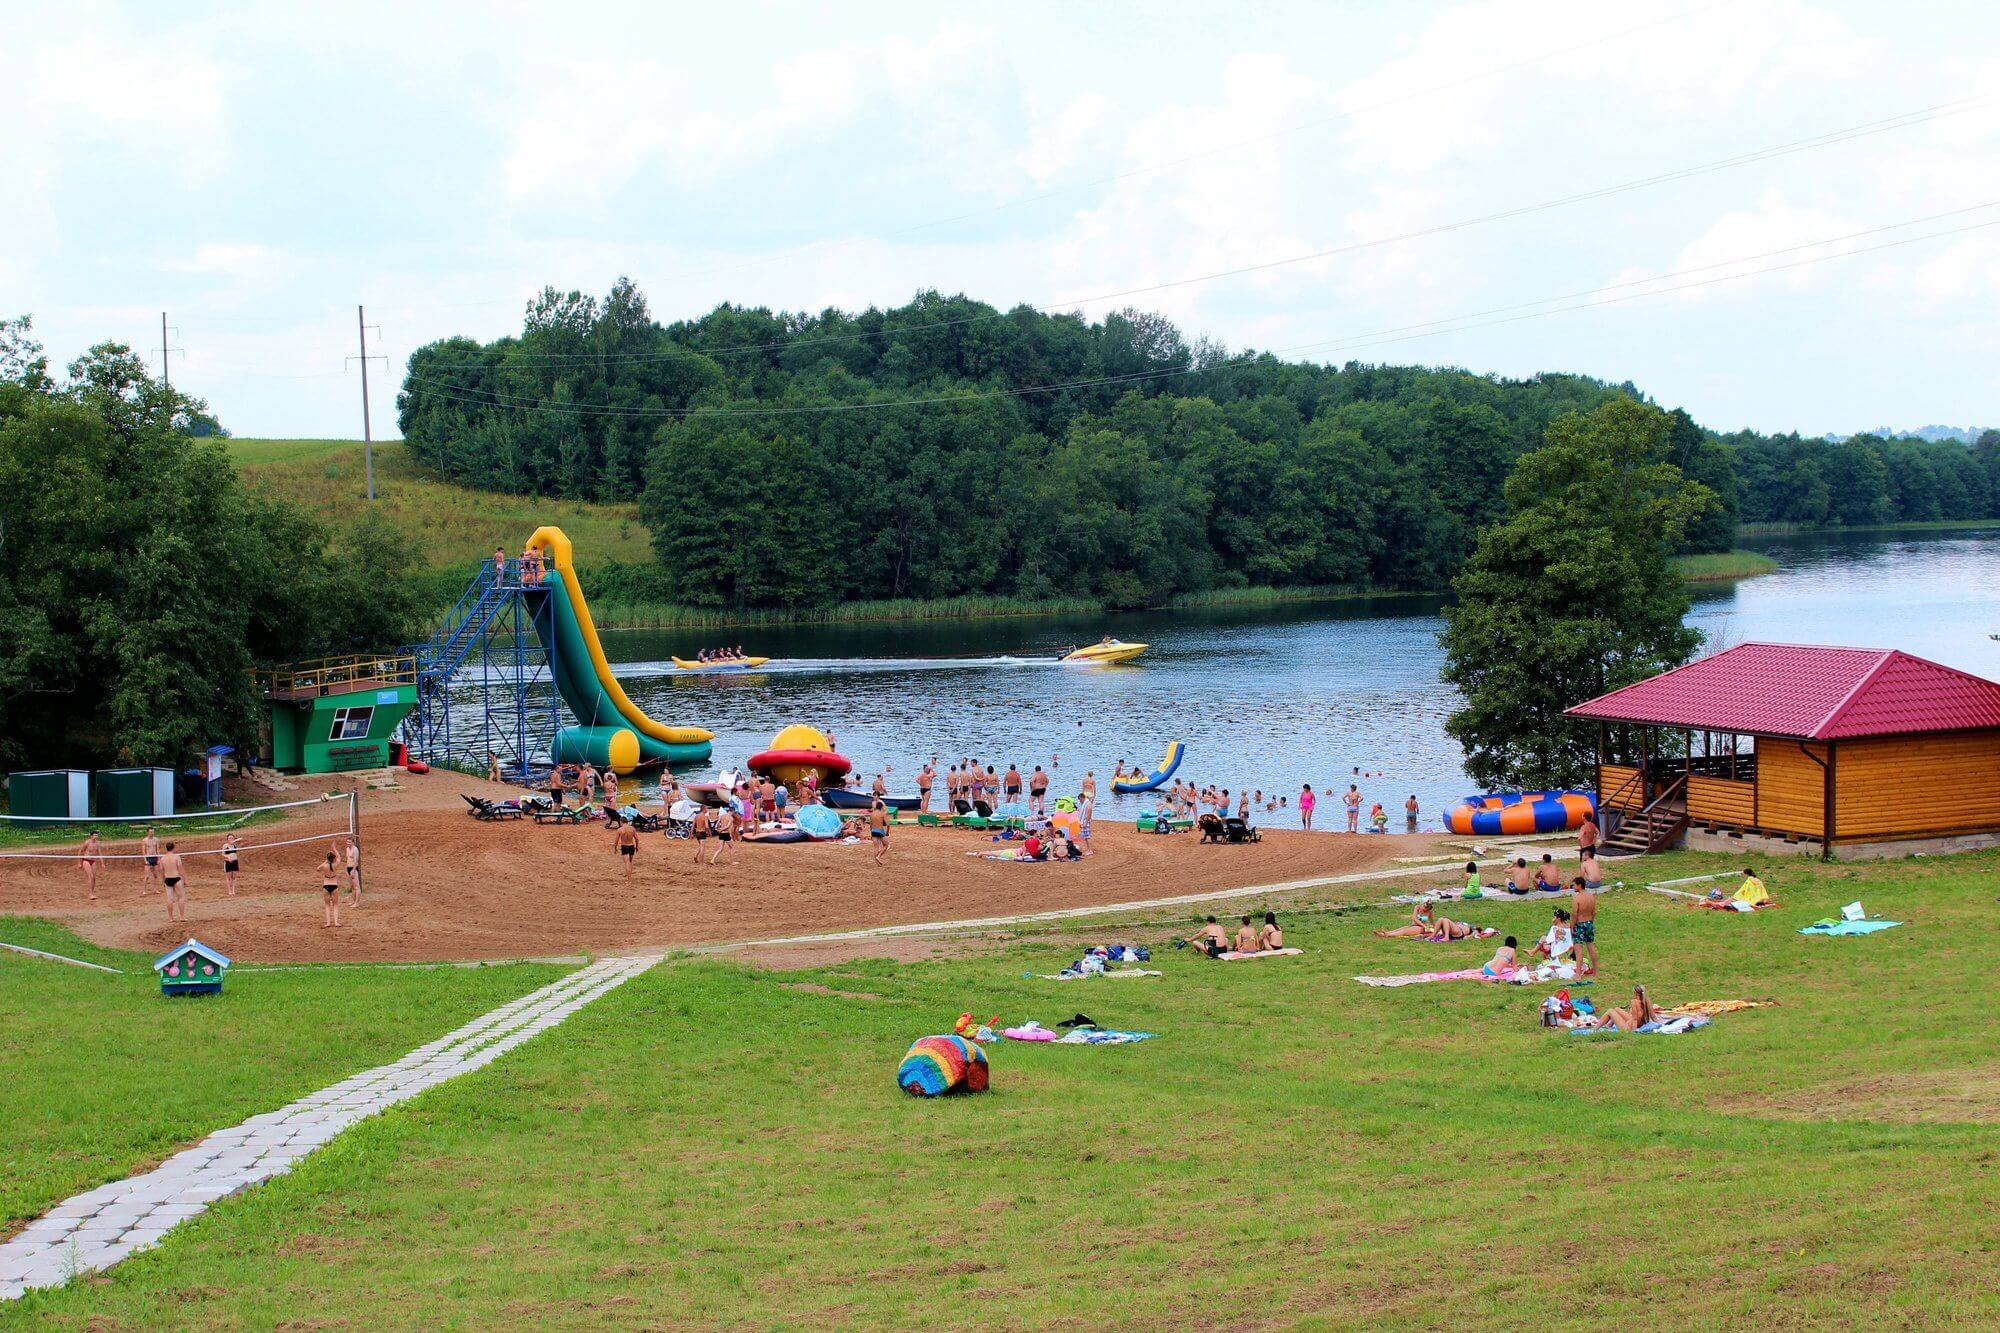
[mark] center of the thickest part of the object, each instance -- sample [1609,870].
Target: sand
[440,885]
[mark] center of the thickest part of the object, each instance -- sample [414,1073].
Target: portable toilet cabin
[50,793]
[135,793]
[191,969]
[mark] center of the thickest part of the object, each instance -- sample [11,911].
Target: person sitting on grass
[1632,1016]
[1557,941]
[1210,939]
[1548,876]
[1421,923]
[1502,962]
[1520,879]
[1271,937]
[1246,936]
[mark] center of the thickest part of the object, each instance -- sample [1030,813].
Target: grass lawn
[102,1076]
[452,525]
[713,1144]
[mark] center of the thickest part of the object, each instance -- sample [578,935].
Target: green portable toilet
[135,793]
[50,793]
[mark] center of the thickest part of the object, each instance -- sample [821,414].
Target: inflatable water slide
[1170,761]
[611,731]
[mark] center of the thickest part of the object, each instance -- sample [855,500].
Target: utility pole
[367,433]
[166,376]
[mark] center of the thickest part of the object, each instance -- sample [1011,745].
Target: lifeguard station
[338,713]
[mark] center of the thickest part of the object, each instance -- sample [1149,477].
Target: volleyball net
[194,833]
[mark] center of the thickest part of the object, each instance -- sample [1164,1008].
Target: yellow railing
[332,675]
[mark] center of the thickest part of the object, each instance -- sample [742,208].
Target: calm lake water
[1264,699]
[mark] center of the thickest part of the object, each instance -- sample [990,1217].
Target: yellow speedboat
[723,664]
[1104,654]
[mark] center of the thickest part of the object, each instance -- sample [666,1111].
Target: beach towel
[1100,1037]
[1419,978]
[1234,957]
[1520,976]
[1831,927]
[1659,1027]
[1077,975]
[1710,1008]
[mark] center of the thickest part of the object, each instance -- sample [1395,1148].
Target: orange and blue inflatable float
[1499,814]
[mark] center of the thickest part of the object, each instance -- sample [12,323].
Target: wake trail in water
[797,666]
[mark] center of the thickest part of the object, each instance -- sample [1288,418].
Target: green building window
[351,724]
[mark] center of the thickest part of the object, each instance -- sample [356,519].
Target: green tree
[1572,595]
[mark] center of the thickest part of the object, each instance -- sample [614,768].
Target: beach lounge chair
[483,809]
[557,814]
[1239,830]
[1211,828]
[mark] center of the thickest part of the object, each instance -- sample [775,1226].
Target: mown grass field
[103,1076]
[713,1144]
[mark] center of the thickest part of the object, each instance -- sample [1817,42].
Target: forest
[946,448]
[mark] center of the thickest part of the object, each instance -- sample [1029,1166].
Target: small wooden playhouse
[190,969]
[1842,751]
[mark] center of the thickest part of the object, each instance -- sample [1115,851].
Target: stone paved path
[99,1227]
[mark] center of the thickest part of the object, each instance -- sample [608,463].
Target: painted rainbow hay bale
[938,1065]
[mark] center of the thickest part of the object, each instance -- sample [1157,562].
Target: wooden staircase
[1659,826]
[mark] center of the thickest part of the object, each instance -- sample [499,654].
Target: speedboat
[1104,654]
[721,664]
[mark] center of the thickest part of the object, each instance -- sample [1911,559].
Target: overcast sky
[257,170]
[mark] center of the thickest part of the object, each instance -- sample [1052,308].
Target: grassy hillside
[453,526]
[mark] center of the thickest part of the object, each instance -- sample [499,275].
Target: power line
[367,432]
[1846,134]
[1378,338]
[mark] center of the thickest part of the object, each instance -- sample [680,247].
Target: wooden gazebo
[1847,751]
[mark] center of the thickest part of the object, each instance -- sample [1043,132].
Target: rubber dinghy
[840,798]
[1170,761]
[611,732]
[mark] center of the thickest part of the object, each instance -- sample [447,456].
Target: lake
[1330,693]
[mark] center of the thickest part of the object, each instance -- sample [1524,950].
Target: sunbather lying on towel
[1448,930]
[1421,923]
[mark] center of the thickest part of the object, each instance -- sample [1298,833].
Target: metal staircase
[483,685]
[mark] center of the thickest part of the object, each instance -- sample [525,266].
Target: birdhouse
[191,969]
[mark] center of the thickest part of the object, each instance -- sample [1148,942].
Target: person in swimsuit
[1352,800]
[1410,809]
[1306,802]
[1593,871]
[329,883]
[1446,930]
[1502,961]
[1243,806]
[149,847]
[1421,923]
[1085,808]
[626,841]
[557,785]
[1583,926]
[1520,879]
[1246,936]
[702,825]
[610,781]
[1270,937]
[878,829]
[232,863]
[723,823]
[499,564]
[1634,1015]
[89,859]
[171,876]
[1586,836]
[1210,939]
[1548,875]
[1013,783]
[925,777]
[354,872]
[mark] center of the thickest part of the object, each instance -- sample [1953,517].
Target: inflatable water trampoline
[1501,814]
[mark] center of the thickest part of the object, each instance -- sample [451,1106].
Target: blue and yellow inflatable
[1500,814]
[1170,761]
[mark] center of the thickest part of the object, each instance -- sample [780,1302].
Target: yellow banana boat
[724,664]
[1104,654]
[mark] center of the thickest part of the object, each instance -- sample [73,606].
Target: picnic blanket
[1234,957]
[1100,1037]
[1832,927]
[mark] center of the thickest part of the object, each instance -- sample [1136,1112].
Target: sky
[1779,214]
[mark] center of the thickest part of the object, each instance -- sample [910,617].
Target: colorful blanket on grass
[1831,927]
[1234,957]
[1522,976]
[1659,1027]
[1085,976]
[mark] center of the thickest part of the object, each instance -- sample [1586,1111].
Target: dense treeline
[1865,479]
[946,448]
[140,581]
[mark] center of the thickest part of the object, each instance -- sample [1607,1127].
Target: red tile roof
[1805,691]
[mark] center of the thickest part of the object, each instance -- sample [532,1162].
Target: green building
[338,714]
